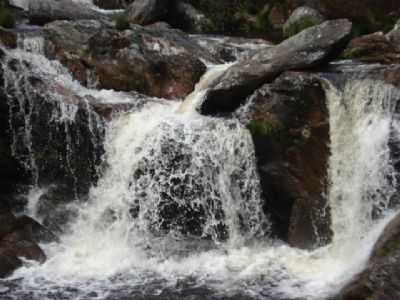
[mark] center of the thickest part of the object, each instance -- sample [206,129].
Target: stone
[112,4]
[145,12]
[289,123]
[310,48]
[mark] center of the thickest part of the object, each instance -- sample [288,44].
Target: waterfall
[178,203]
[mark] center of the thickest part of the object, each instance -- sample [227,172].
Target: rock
[65,133]
[310,48]
[231,49]
[145,12]
[34,231]
[373,48]
[289,123]
[8,38]
[184,16]
[302,18]
[381,279]
[112,4]
[44,11]
[9,262]
[394,35]
[8,223]
[25,249]
[158,62]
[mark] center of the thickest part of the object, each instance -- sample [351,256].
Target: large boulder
[44,11]
[186,17]
[156,61]
[289,123]
[381,279]
[310,48]
[145,12]
[373,48]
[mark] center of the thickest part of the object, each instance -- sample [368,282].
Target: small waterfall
[178,202]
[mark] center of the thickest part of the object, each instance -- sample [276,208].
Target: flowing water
[177,211]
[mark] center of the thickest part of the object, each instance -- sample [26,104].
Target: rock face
[290,129]
[44,11]
[184,16]
[373,48]
[381,279]
[301,18]
[310,48]
[145,12]
[155,61]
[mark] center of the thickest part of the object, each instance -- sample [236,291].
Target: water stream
[177,212]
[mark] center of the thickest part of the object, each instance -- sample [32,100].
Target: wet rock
[302,18]
[44,11]
[373,48]
[159,62]
[9,262]
[288,120]
[25,249]
[381,279]
[230,49]
[145,12]
[310,48]
[59,140]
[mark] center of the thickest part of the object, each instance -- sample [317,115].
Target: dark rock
[9,262]
[25,249]
[381,279]
[158,62]
[145,12]
[184,16]
[310,48]
[112,4]
[290,128]
[44,11]
[8,223]
[373,48]
[34,231]
[59,140]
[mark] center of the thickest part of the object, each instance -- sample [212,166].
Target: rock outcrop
[156,61]
[144,12]
[289,123]
[310,48]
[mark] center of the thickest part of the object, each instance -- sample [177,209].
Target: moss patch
[7,19]
[264,127]
[121,22]
[300,25]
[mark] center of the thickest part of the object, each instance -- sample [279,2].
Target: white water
[207,165]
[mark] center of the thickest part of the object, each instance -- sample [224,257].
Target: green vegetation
[304,23]
[7,19]
[121,22]
[264,127]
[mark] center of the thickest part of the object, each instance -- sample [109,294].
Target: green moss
[390,248]
[264,127]
[121,22]
[7,19]
[299,26]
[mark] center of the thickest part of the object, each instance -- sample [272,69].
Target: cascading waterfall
[178,205]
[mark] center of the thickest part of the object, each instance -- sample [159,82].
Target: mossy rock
[264,127]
